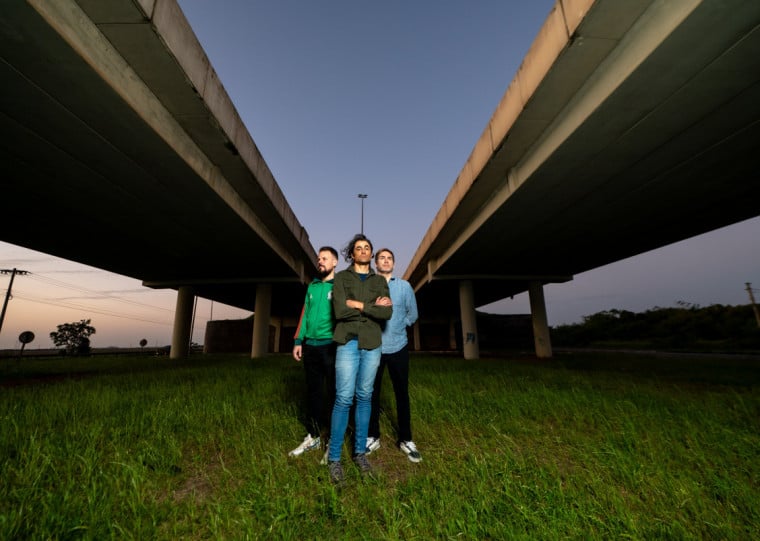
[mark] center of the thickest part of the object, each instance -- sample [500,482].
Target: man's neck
[386,275]
[328,277]
[361,268]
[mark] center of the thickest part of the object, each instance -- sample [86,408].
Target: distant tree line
[685,327]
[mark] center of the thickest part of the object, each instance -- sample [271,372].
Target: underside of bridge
[121,150]
[629,126]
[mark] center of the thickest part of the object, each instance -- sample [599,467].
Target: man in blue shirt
[395,355]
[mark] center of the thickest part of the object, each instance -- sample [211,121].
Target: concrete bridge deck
[122,150]
[630,125]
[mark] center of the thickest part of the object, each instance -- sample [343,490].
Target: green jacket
[350,322]
[315,327]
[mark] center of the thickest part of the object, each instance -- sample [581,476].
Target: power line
[95,310]
[98,294]
[93,295]
[80,306]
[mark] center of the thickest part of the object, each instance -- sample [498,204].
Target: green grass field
[583,446]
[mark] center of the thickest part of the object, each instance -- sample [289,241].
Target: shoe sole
[408,454]
[302,451]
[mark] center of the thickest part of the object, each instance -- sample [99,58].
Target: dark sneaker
[410,450]
[373,444]
[336,472]
[362,463]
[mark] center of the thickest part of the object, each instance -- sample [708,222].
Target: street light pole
[362,196]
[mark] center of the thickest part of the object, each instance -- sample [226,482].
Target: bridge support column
[416,335]
[277,322]
[261,316]
[541,336]
[183,318]
[469,322]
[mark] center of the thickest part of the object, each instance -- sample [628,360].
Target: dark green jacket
[317,322]
[350,322]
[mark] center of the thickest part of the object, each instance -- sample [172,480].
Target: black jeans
[319,367]
[398,368]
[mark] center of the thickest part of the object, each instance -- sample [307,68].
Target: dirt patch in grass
[197,487]
[392,464]
[202,482]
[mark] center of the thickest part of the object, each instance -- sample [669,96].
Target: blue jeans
[355,371]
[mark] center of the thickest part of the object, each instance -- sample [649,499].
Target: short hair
[330,249]
[381,250]
[348,251]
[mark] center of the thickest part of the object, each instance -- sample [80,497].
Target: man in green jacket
[314,345]
[361,300]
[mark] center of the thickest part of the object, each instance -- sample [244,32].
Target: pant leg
[374,417]
[365,382]
[329,383]
[398,369]
[346,370]
[312,363]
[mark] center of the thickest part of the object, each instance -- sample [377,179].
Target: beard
[322,272]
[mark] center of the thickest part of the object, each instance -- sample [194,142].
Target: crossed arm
[358,305]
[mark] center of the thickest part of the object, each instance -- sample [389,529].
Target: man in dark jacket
[361,300]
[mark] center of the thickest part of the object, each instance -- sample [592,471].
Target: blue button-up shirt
[404,315]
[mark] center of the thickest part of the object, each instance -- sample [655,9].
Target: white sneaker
[307,444]
[410,449]
[373,444]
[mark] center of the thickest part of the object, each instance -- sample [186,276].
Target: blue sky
[386,99]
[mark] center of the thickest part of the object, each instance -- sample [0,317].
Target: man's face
[362,252]
[384,262]
[326,263]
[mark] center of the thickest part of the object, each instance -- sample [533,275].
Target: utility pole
[752,300]
[362,196]
[13,273]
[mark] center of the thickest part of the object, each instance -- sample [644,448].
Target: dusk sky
[381,98]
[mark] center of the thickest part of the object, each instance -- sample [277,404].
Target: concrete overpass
[122,150]
[630,125]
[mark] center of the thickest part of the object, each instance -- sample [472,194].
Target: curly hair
[348,250]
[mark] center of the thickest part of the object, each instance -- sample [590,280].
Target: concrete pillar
[183,320]
[416,335]
[277,322]
[541,336]
[261,317]
[469,323]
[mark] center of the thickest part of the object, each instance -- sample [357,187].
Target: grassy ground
[584,446]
